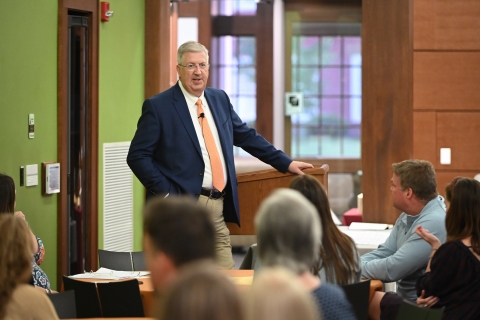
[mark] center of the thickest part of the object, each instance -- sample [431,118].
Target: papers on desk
[369,226]
[109,274]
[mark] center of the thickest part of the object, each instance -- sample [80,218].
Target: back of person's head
[202,294]
[463,214]
[15,256]
[419,175]
[180,228]
[7,194]
[277,294]
[337,253]
[190,46]
[449,189]
[288,231]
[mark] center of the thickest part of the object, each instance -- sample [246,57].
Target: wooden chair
[120,261]
[409,310]
[64,303]
[358,294]
[121,299]
[86,297]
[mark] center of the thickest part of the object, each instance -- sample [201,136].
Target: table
[242,279]
[352,215]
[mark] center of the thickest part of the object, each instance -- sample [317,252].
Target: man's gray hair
[288,231]
[190,46]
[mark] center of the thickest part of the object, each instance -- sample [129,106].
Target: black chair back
[64,303]
[409,310]
[86,297]
[358,294]
[138,259]
[121,299]
[120,261]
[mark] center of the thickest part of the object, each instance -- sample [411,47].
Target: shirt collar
[190,98]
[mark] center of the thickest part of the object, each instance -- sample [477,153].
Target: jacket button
[201,173]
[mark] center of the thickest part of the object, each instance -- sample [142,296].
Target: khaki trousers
[223,248]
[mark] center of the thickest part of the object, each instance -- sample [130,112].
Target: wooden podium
[255,186]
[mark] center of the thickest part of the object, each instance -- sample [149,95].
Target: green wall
[122,54]
[28,84]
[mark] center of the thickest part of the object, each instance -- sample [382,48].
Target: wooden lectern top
[255,186]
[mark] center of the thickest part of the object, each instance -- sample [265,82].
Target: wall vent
[117,198]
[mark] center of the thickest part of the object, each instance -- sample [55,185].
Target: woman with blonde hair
[18,300]
[338,260]
[277,294]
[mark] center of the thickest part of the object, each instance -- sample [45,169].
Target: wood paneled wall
[421,92]
[446,91]
[387,134]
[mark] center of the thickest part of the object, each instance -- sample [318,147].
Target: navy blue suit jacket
[165,153]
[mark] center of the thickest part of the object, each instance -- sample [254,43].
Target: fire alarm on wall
[106,13]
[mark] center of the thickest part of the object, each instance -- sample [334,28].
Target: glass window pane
[331,111]
[352,52]
[331,142]
[352,81]
[246,81]
[331,49]
[306,142]
[307,80]
[352,143]
[247,109]
[228,80]
[233,7]
[246,49]
[331,81]
[310,114]
[352,111]
[309,47]
[295,50]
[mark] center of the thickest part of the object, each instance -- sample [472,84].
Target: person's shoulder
[166,94]
[27,292]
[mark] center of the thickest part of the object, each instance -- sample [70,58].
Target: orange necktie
[215,162]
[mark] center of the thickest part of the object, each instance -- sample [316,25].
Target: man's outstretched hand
[297,167]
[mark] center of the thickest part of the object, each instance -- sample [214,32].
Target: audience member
[404,255]
[289,235]
[339,261]
[176,232]
[7,206]
[451,279]
[277,294]
[18,300]
[202,294]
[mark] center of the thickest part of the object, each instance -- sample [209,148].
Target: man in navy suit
[168,153]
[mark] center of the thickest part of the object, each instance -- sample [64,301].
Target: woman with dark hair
[451,279]
[7,206]
[18,300]
[338,261]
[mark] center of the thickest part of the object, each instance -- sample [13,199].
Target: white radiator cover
[117,198]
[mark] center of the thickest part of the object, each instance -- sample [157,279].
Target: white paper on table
[109,274]
[369,226]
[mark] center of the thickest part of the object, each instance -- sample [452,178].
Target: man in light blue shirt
[404,255]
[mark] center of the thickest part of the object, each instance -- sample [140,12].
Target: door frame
[90,9]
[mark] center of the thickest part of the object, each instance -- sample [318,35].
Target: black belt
[212,193]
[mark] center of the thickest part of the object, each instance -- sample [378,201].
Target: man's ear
[409,193]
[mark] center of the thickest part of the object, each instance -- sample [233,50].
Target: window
[233,7]
[233,69]
[326,68]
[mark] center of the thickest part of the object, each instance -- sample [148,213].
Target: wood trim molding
[157,47]
[387,106]
[90,8]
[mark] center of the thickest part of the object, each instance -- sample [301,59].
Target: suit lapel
[182,109]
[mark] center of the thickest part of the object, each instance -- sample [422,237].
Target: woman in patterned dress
[7,206]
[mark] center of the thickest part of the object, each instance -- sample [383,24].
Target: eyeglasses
[191,66]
